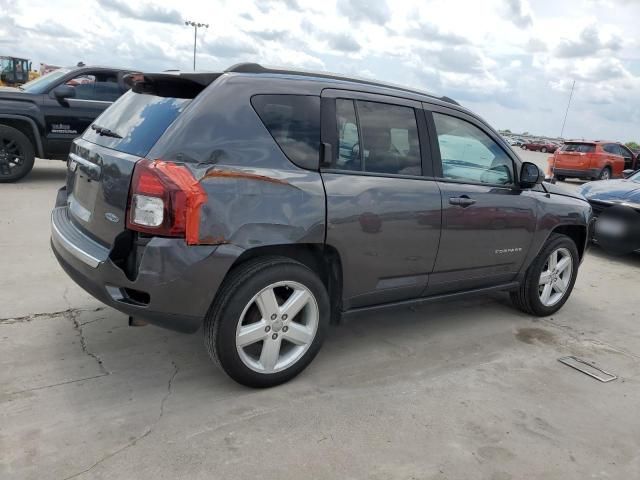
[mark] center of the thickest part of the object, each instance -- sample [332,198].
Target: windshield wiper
[105,131]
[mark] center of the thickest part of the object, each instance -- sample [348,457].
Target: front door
[487,221]
[64,121]
[383,214]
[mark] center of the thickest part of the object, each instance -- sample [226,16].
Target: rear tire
[543,149]
[16,154]
[561,178]
[247,321]
[545,288]
[605,174]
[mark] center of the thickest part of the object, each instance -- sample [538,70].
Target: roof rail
[257,68]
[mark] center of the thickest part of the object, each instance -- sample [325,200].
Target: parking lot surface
[461,389]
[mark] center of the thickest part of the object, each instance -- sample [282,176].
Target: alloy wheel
[555,277]
[11,156]
[277,327]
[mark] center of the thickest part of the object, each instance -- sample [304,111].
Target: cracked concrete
[466,389]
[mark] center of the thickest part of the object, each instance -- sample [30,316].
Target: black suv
[42,117]
[263,204]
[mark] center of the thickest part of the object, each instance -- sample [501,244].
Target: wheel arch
[577,233]
[322,259]
[27,126]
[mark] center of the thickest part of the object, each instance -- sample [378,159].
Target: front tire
[16,154]
[549,280]
[543,149]
[267,322]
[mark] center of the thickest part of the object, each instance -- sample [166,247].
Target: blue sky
[511,61]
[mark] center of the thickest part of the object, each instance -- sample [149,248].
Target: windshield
[135,122]
[635,177]
[42,84]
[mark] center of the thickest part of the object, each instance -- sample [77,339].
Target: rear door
[627,155]
[100,165]
[383,206]
[487,220]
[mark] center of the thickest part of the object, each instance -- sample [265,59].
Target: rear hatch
[102,161]
[574,155]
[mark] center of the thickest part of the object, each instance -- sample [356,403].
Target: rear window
[294,123]
[579,147]
[139,119]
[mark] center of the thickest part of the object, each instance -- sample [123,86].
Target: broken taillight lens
[165,200]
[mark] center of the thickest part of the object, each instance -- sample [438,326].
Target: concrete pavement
[465,389]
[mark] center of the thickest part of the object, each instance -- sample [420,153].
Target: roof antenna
[553,169]
[567,111]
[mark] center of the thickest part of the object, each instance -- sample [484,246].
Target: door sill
[445,296]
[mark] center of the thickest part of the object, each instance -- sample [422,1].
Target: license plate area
[83,198]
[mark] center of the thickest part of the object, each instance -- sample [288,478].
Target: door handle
[462,201]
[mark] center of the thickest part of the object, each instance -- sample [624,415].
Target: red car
[596,160]
[540,146]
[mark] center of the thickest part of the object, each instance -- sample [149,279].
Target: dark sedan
[616,205]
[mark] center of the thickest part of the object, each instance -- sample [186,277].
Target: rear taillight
[165,200]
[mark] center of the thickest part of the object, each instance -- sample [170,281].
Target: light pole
[195,26]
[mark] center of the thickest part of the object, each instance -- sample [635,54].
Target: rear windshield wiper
[105,131]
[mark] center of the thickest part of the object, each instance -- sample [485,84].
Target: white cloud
[510,60]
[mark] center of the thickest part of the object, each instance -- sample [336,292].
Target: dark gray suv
[264,204]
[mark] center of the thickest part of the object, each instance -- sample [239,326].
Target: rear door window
[348,136]
[377,137]
[294,123]
[99,86]
[135,122]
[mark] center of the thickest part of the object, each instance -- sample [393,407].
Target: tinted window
[140,119]
[294,122]
[469,154]
[99,87]
[579,147]
[348,157]
[389,138]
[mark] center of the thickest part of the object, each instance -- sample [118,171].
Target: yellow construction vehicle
[14,71]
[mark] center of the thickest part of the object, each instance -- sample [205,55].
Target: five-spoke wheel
[267,321]
[277,327]
[548,281]
[555,277]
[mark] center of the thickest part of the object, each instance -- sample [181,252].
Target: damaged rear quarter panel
[255,195]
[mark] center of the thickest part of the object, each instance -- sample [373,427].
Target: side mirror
[530,175]
[63,92]
[627,173]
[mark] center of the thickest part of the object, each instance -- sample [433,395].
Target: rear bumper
[587,173]
[180,281]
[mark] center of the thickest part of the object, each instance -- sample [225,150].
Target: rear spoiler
[170,84]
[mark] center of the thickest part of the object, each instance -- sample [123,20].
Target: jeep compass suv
[263,204]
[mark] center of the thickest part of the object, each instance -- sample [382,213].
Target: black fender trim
[36,133]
